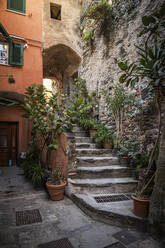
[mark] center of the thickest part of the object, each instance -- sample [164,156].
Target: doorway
[8,143]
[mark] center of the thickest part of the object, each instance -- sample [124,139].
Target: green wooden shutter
[17,5]
[16,54]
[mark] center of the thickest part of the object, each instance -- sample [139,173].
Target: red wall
[59,158]
[27,26]
[14,114]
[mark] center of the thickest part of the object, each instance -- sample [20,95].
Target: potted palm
[56,185]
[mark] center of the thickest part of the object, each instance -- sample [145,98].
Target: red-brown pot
[124,160]
[107,146]
[56,192]
[141,207]
[92,132]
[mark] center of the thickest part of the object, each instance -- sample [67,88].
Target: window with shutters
[17,5]
[4,53]
[16,54]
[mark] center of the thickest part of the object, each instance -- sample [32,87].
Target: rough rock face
[100,69]
[113,44]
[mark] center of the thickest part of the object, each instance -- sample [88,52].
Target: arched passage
[60,59]
[60,62]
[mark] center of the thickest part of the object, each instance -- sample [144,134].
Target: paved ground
[56,221]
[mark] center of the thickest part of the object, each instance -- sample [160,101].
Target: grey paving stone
[115,245]
[149,243]
[125,237]
[61,243]
[60,219]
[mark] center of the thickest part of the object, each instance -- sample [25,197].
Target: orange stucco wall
[29,27]
[59,159]
[14,114]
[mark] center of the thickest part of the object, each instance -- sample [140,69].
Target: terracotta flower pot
[141,207]
[92,132]
[56,192]
[124,160]
[107,146]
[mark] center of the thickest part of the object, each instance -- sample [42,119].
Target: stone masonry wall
[117,43]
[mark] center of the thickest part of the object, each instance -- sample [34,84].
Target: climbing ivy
[96,12]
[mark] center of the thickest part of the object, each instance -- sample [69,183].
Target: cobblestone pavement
[29,219]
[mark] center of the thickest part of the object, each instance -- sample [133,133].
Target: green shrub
[104,135]
[88,35]
[33,172]
[57,177]
[99,10]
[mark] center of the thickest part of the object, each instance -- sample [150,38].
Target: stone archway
[60,62]
[60,59]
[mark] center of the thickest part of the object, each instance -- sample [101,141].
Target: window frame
[5,43]
[11,58]
[16,10]
[57,6]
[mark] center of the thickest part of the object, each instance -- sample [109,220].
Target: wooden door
[8,144]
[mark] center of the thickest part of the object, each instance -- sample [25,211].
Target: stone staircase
[100,176]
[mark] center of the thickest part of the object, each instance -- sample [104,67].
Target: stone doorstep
[114,213]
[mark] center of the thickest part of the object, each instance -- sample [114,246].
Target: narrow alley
[53,224]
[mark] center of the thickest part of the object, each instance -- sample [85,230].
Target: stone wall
[62,31]
[61,41]
[113,43]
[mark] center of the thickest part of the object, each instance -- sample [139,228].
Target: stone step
[114,213]
[93,151]
[102,172]
[83,140]
[85,145]
[80,134]
[102,185]
[97,161]
[77,129]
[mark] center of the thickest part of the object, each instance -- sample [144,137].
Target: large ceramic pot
[56,192]
[141,207]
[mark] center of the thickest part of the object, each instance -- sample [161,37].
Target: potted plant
[56,185]
[141,198]
[92,125]
[130,152]
[123,154]
[104,137]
